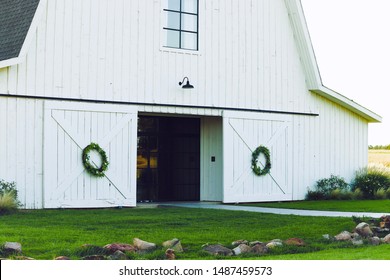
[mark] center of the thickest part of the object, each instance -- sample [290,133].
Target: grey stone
[118,256]
[386,239]
[363,229]
[174,244]
[241,249]
[259,249]
[254,243]
[62,258]
[143,245]
[24,258]
[374,240]
[239,242]
[355,234]
[357,241]
[326,236]
[218,250]
[13,247]
[112,248]
[343,236]
[274,243]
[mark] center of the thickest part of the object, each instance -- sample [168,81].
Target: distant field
[379,156]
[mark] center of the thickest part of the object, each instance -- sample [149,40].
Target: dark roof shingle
[15,20]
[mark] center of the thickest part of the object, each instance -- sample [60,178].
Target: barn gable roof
[18,21]
[16,17]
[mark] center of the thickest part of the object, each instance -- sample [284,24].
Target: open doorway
[168,159]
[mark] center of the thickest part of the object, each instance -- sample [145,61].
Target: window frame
[166,12]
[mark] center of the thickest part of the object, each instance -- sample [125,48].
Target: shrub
[369,180]
[8,197]
[380,194]
[357,194]
[315,195]
[338,194]
[325,187]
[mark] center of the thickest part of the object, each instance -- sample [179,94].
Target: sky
[351,41]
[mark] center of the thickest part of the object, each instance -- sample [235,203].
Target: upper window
[181,26]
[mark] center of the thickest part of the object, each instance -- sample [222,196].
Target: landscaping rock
[295,241]
[381,232]
[170,254]
[374,240]
[274,243]
[112,248]
[385,222]
[357,241]
[239,242]
[218,250]
[174,244]
[12,247]
[241,249]
[62,258]
[259,249]
[254,243]
[343,236]
[24,258]
[94,258]
[326,236]
[143,245]
[118,256]
[363,229]
[386,239]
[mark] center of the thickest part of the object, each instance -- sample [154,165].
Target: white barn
[75,72]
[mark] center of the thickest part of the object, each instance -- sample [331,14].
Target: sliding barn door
[242,134]
[69,128]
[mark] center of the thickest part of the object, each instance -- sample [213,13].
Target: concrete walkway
[214,205]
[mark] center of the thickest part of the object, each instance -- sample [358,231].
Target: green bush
[371,179]
[380,194]
[338,194]
[315,195]
[357,194]
[325,187]
[8,197]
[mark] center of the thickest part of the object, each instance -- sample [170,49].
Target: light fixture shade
[186,85]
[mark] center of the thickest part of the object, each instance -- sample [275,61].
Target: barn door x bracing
[69,128]
[243,133]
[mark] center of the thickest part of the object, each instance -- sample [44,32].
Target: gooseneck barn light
[187,85]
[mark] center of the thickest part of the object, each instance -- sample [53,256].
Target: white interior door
[69,128]
[242,134]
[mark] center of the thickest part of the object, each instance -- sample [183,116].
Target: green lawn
[45,234]
[373,206]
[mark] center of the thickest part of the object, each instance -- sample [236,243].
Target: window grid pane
[190,6]
[174,5]
[189,23]
[181,27]
[173,20]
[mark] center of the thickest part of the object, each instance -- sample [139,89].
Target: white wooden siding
[110,50]
[21,148]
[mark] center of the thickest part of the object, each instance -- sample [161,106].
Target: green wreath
[255,155]
[93,169]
